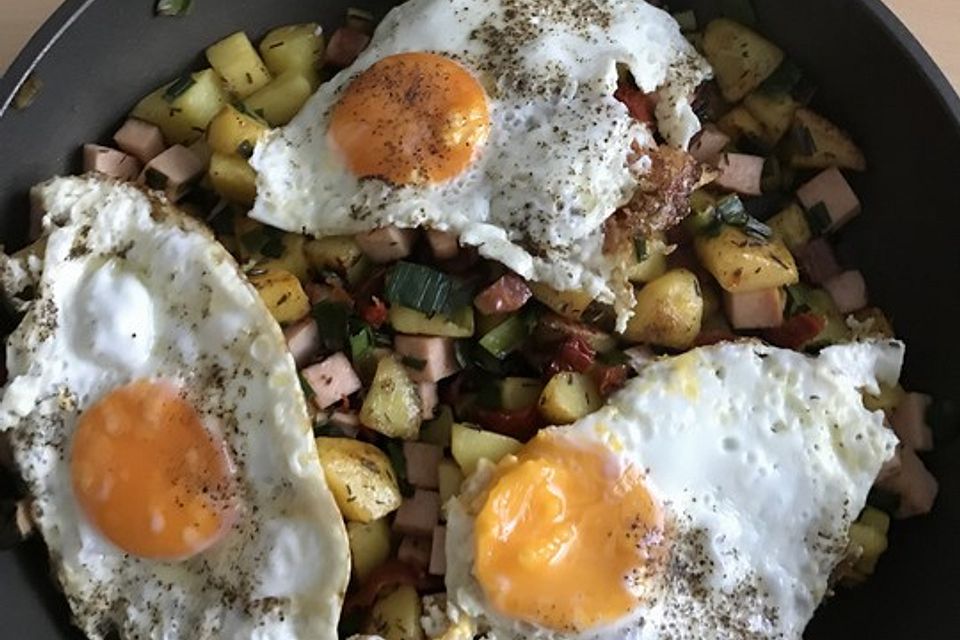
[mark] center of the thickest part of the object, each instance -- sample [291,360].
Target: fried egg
[493,120]
[711,498]
[157,422]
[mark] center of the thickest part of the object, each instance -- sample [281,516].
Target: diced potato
[741,263]
[739,123]
[396,615]
[569,304]
[519,393]
[568,397]
[741,58]
[280,99]
[774,111]
[829,146]
[392,405]
[232,132]
[297,47]
[237,62]
[360,477]
[871,543]
[292,259]
[459,324]
[271,248]
[469,445]
[792,227]
[233,178]
[369,546]
[668,312]
[333,253]
[437,431]
[450,477]
[183,108]
[282,293]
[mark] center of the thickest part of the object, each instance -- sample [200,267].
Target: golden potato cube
[297,47]
[668,312]
[738,122]
[831,146]
[282,292]
[396,615]
[871,544]
[792,227]
[292,259]
[741,263]
[469,445]
[271,248]
[183,108]
[568,397]
[334,253]
[392,405]
[519,393]
[459,324]
[360,477]
[741,58]
[280,99]
[369,546]
[232,132]
[774,111]
[569,304]
[237,62]
[233,178]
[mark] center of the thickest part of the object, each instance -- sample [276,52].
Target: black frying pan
[97,57]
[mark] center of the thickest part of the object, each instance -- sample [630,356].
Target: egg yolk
[411,119]
[149,475]
[564,535]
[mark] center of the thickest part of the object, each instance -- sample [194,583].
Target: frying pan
[95,58]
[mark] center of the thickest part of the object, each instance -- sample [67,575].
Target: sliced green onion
[398,461]
[506,337]
[640,248]
[173,7]
[361,344]
[307,389]
[425,289]
[818,217]
[731,211]
[756,229]
[179,87]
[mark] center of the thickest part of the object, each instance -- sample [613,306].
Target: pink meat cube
[848,290]
[429,398]
[422,461]
[437,354]
[741,173]
[829,200]
[443,244]
[419,514]
[174,171]
[755,309]
[438,552]
[110,162]
[303,341]
[818,262]
[709,144]
[387,243]
[331,380]
[140,139]
[909,420]
[415,551]
[509,293]
[345,45]
[915,485]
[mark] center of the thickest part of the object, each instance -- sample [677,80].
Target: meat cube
[709,144]
[387,244]
[848,290]
[419,514]
[829,201]
[142,140]
[174,171]
[509,293]
[818,262]
[438,552]
[755,309]
[915,485]
[443,244]
[437,354]
[345,45]
[741,173]
[429,398]
[909,420]
[110,162]
[331,380]
[422,461]
[303,341]
[415,551]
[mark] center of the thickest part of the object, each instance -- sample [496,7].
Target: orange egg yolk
[563,535]
[411,119]
[149,475]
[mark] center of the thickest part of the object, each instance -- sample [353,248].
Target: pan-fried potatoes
[668,312]
[360,477]
[742,263]
[741,58]
[282,293]
[392,405]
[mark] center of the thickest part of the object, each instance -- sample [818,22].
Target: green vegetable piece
[506,337]
[425,289]
[174,7]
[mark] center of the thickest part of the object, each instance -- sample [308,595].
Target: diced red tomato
[374,312]
[574,354]
[609,378]
[637,102]
[392,573]
[521,424]
[796,331]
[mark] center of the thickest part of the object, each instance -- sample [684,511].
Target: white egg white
[128,288]
[760,459]
[558,159]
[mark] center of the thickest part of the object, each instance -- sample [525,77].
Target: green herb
[425,289]
[174,7]
[398,461]
[361,343]
[756,229]
[740,10]
[798,299]
[245,149]
[178,87]
[414,363]
[783,80]
[155,179]
[687,21]
[731,211]
[640,248]
[506,337]
[818,217]
[332,318]
[308,393]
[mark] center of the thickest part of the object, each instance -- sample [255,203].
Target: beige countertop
[936,23]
